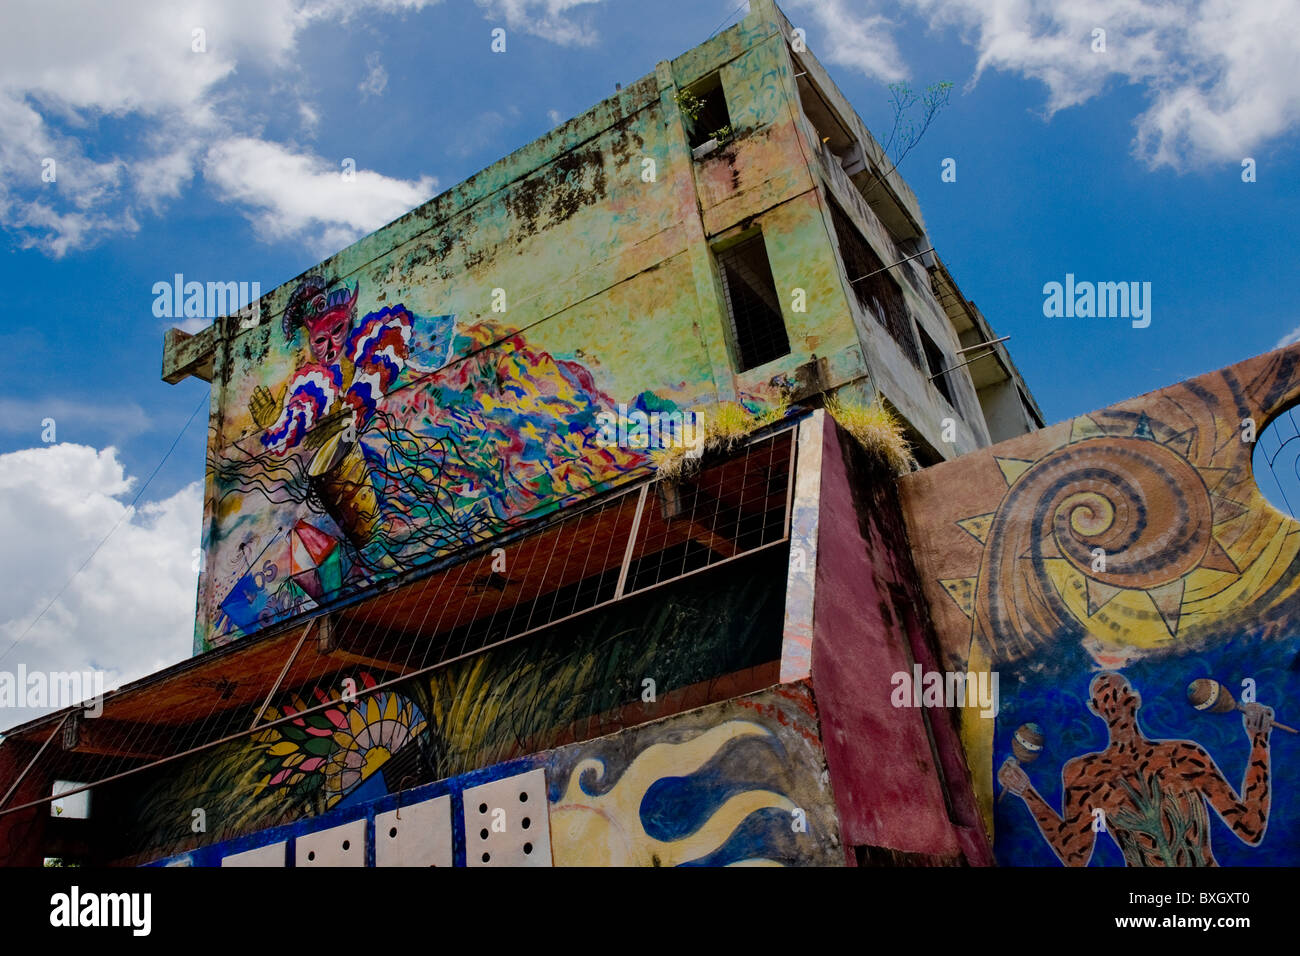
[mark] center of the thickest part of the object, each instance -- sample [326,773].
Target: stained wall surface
[443,379]
[1108,569]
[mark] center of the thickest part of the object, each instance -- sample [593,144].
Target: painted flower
[341,745]
[375,728]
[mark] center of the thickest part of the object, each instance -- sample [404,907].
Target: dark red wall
[22,833]
[900,797]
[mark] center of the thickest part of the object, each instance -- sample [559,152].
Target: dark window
[753,306]
[879,294]
[938,363]
[704,107]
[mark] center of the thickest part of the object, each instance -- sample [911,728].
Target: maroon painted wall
[22,833]
[900,797]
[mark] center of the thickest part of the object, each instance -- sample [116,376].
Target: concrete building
[458,565]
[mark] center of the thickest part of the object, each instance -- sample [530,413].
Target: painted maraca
[1026,746]
[1204,693]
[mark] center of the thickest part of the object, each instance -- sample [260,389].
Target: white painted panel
[270,855]
[343,845]
[507,822]
[416,835]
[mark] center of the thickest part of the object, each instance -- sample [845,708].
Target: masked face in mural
[327,331]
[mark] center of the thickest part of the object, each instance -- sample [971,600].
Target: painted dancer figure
[1153,793]
[329,401]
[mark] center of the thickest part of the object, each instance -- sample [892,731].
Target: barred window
[753,305]
[879,294]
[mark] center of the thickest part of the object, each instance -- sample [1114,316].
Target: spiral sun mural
[1114,538]
[1130,540]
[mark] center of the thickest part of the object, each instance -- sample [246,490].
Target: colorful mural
[367,465]
[570,682]
[1108,564]
[439,382]
[339,748]
[741,783]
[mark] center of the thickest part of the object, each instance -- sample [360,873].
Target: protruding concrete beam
[185,354]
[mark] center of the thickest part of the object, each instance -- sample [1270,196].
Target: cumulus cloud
[186,75]
[131,610]
[854,38]
[548,19]
[1217,74]
[292,195]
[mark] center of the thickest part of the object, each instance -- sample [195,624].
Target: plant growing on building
[877,429]
[692,108]
[690,104]
[723,427]
[910,123]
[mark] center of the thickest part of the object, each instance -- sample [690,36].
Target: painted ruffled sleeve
[309,396]
[379,347]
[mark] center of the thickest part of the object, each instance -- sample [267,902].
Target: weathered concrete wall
[1131,542]
[442,379]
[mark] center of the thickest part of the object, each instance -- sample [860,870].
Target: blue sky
[223,165]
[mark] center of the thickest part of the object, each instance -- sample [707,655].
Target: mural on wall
[439,381]
[367,463]
[338,749]
[739,783]
[517,699]
[1125,560]
[1151,794]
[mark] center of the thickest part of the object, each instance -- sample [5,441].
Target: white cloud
[1218,74]
[131,610]
[548,19]
[858,40]
[376,78]
[299,196]
[1291,338]
[65,65]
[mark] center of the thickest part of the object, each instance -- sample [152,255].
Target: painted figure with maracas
[1153,794]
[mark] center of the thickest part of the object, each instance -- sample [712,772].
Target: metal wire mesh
[613,549]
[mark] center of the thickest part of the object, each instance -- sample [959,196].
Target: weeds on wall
[692,108]
[878,430]
[721,429]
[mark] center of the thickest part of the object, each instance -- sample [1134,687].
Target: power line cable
[130,510]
